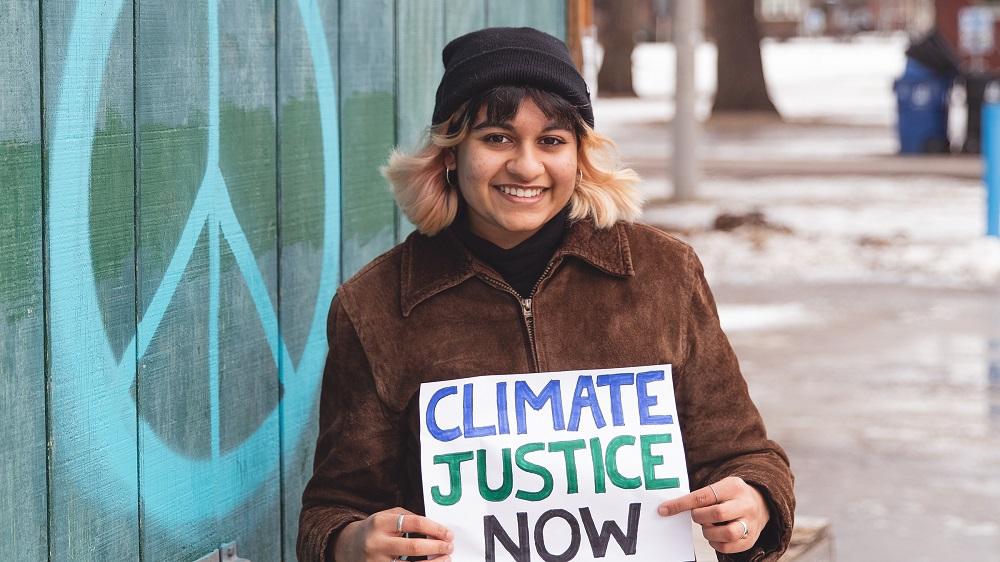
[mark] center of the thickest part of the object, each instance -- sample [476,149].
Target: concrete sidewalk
[865,309]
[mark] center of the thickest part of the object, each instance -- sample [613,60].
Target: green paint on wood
[23,502]
[420,36]
[301,189]
[301,181]
[367,129]
[90,517]
[173,388]
[248,389]
[172,161]
[112,248]
[302,176]
[20,233]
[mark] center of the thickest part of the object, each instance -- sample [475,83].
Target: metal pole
[687,36]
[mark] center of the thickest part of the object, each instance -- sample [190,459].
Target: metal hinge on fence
[225,553]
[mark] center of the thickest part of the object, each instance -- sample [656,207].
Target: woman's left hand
[731,513]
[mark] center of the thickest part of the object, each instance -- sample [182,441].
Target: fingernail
[449,535]
[451,548]
[664,511]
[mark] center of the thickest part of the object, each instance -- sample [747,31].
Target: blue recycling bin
[991,157]
[922,108]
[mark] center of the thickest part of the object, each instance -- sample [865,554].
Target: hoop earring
[447,178]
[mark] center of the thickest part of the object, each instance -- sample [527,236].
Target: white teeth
[519,192]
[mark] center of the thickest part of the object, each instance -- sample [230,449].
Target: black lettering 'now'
[493,531]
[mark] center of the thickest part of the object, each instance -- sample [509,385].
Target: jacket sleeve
[358,463]
[723,432]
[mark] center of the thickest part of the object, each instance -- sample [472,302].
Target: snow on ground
[917,231]
[747,317]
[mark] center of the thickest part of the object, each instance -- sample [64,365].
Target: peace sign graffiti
[82,357]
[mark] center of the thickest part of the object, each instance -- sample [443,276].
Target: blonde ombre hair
[605,191]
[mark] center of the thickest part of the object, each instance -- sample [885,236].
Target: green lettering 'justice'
[506,485]
[528,466]
[651,461]
[454,462]
[611,461]
[569,449]
[605,465]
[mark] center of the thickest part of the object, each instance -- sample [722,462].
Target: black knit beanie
[482,60]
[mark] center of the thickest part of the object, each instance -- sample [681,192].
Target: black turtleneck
[522,265]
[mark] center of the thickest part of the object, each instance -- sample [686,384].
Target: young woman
[526,259]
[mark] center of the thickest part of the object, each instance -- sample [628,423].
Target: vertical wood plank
[177,116]
[309,231]
[367,104]
[420,32]
[89,144]
[546,15]
[463,16]
[243,372]
[23,488]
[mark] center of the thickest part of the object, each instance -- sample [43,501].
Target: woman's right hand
[376,539]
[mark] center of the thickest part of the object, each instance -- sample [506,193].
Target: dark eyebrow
[494,124]
[553,126]
[505,125]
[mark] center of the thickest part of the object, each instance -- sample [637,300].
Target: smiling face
[515,174]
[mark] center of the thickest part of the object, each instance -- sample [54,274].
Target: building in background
[783,19]
[947,13]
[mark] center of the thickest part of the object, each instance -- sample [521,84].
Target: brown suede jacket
[428,310]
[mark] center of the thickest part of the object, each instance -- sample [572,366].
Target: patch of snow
[762,317]
[918,231]
[849,82]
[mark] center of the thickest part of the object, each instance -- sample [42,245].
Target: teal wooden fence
[184,184]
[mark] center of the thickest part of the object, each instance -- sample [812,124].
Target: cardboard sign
[556,466]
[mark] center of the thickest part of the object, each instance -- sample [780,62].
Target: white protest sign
[556,466]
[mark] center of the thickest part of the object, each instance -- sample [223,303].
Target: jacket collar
[431,264]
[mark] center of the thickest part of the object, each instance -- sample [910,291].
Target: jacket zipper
[526,314]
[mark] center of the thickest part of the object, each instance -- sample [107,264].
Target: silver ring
[714,493]
[399,523]
[746,529]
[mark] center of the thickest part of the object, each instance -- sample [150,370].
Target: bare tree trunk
[616,27]
[740,72]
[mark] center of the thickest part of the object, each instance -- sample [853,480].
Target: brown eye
[496,138]
[552,141]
